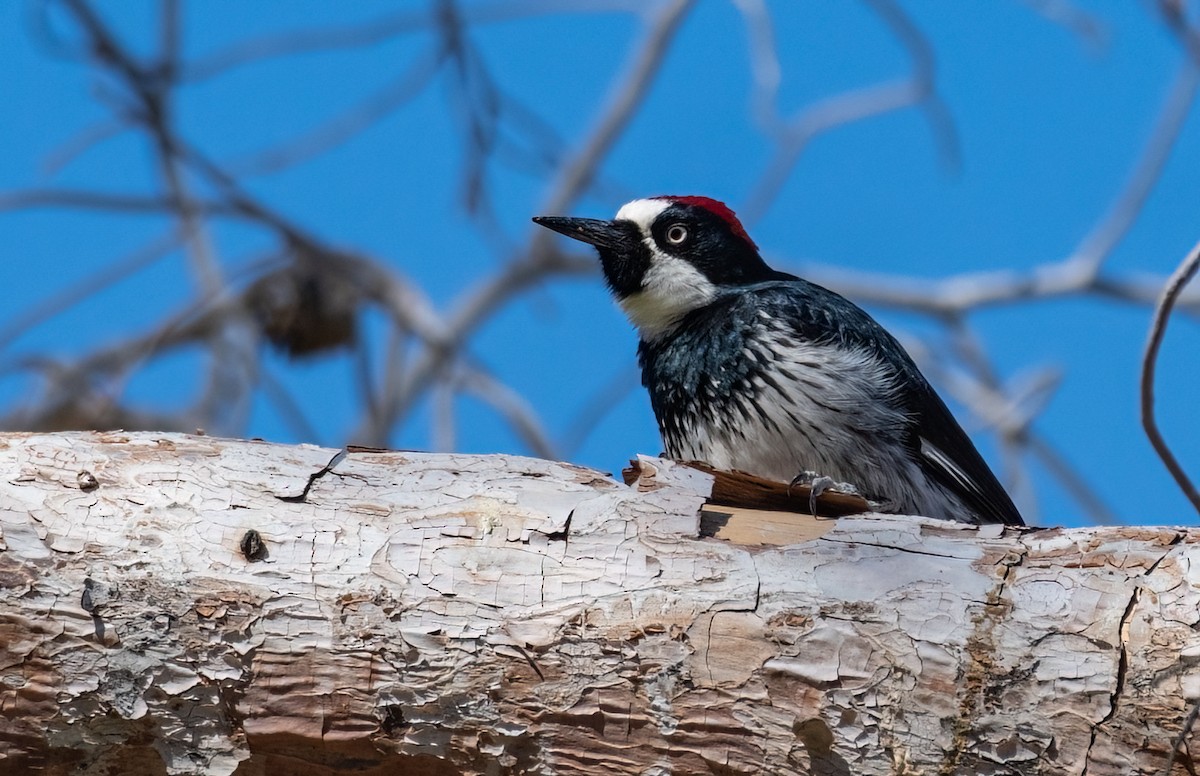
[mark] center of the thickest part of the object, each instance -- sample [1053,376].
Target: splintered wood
[746,509]
[453,614]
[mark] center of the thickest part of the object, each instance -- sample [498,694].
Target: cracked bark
[447,614]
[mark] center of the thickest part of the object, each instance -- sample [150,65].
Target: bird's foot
[818,484]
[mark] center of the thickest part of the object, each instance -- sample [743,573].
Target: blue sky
[1049,125]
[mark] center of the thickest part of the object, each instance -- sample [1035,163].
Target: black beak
[602,234]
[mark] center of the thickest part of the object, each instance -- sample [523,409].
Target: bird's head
[666,256]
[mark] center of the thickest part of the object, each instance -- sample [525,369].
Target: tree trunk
[179,604]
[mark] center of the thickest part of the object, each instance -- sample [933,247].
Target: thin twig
[342,128]
[364,373]
[29,199]
[1158,328]
[579,171]
[1010,409]
[443,434]
[975,291]
[1061,468]
[918,89]
[308,41]
[75,293]
[1175,14]
[290,410]
[597,407]
[469,314]
[511,406]
[382,29]
[1089,28]
[151,94]
[1112,227]
[76,146]
[543,261]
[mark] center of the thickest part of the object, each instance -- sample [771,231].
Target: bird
[756,370]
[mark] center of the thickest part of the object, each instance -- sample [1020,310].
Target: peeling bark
[188,605]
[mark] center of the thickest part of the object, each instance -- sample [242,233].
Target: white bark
[447,614]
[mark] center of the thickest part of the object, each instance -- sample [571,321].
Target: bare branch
[578,172]
[764,61]
[1116,223]
[95,200]
[308,41]
[475,306]
[793,137]
[1175,14]
[1064,13]
[342,128]
[542,261]
[80,144]
[1010,409]
[599,405]
[1158,328]
[511,406]
[1060,468]
[444,434]
[171,40]
[150,90]
[384,28]
[82,289]
[972,291]
[290,410]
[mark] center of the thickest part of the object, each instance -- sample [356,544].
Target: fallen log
[184,604]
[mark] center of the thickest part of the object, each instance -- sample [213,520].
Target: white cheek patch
[671,288]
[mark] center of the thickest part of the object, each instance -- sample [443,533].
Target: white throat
[671,286]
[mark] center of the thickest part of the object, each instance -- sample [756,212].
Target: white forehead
[642,212]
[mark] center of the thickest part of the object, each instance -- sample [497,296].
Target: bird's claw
[819,484]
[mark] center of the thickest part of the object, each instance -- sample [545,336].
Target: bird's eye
[677,234]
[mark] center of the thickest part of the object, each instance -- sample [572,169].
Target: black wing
[943,449]
[948,456]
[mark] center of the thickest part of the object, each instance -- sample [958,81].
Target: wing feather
[937,441]
[947,454]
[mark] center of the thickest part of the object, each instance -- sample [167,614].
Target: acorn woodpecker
[753,369]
